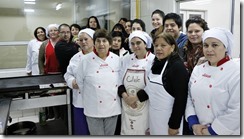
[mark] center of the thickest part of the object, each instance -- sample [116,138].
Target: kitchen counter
[30,87]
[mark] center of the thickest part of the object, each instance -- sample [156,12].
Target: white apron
[160,105]
[134,121]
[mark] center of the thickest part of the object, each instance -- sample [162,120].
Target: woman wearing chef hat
[97,78]
[85,40]
[213,105]
[134,66]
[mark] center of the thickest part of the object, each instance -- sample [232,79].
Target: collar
[94,50]
[148,52]
[222,61]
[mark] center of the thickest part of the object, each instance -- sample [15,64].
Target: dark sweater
[175,81]
[64,52]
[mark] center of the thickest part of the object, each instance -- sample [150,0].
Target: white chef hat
[88,31]
[51,26]
[224,35]
[142,35]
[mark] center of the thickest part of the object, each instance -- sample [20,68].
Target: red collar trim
[145,55]
[222,61]
[94,50]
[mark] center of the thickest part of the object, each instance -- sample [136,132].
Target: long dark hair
[43,29]
[88,20]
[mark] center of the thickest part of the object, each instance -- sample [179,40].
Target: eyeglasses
[63,32]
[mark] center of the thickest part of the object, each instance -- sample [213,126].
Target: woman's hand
[173,132]
[205,131]
[74,84]
[201,60]
[130,100]
[197,129]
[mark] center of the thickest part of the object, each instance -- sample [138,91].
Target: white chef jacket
[135,121]
[70,75]
[123,52]
[98,81]
[32,56]
[214,97]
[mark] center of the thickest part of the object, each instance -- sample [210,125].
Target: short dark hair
[157,11]
[76,26]
[141,22]
[102,33]
[174,17]
[124,19]
[198,20]
[119,34]
[64,24]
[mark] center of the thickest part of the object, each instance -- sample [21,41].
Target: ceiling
[41,7]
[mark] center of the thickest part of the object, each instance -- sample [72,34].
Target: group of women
[155,92]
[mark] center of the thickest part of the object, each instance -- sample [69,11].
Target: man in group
[172,24]
[65,48]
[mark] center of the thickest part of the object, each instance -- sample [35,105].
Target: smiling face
[40,34]
[138,46]
[194,33]
[172,28]
[213,50]
[74,31]
[157,20]
[53,33]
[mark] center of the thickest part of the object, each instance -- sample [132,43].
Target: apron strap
[166,63]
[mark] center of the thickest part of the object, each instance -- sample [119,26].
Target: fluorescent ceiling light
[29,10]
[58,6]
[30,2]
[202,2]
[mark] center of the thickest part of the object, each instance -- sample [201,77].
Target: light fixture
[29,10]
[58,6]
[202,2]
[29,2]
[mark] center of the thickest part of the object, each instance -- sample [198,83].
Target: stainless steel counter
[27,86]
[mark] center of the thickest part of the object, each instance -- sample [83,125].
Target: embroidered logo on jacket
[206,75]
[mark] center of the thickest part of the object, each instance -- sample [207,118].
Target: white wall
[237,30]
[148,6]
[218,14]
[217,11]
